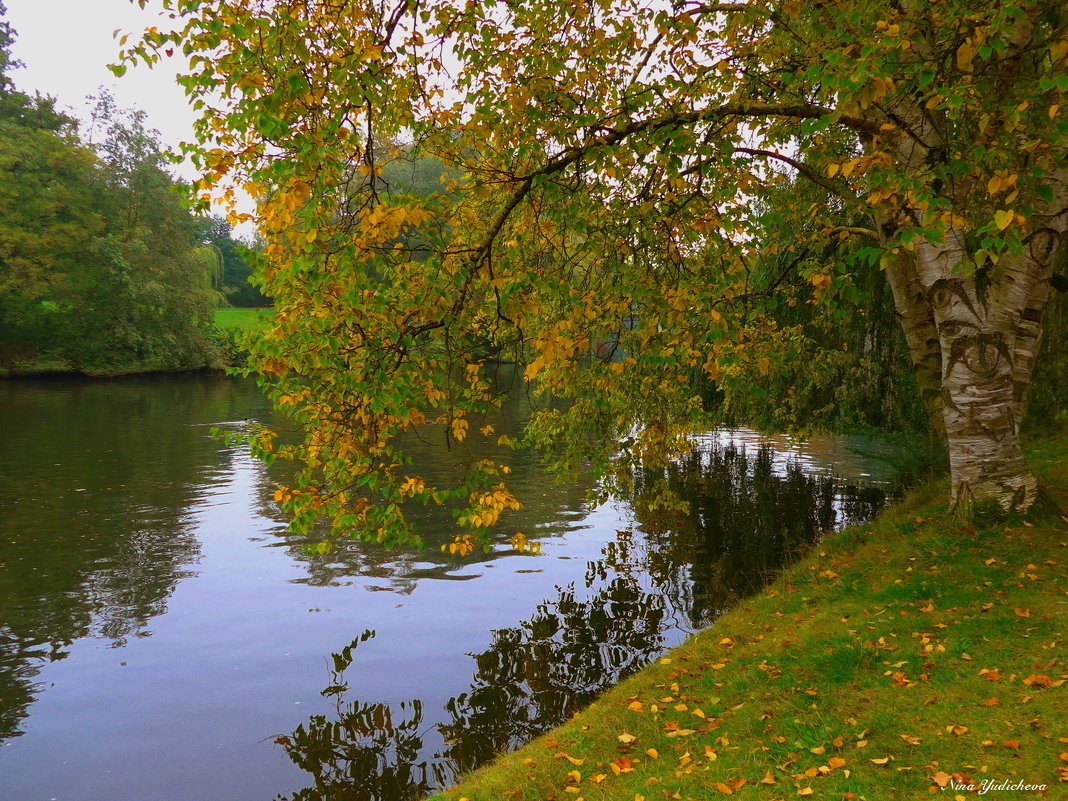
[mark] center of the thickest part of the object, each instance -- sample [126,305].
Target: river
[163,638]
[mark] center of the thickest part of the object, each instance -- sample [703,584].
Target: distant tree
[216,232]
[100,268]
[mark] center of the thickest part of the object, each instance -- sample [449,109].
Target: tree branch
[801,167]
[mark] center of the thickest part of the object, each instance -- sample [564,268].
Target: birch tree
[608,166]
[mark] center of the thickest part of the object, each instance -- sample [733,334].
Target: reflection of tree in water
[532,677]
[368,752]
[748,517]
[540,673]
[96,478]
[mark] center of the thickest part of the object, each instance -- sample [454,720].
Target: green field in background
[243,319]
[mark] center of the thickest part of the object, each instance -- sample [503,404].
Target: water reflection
[95,481]
[749,514]
[367,751]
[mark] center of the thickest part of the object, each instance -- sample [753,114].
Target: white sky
[66,46]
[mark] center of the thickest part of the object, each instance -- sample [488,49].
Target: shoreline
[896,659]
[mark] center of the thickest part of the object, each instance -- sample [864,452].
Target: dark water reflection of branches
[748,516]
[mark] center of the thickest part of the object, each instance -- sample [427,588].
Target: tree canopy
[99,268]
[632,188]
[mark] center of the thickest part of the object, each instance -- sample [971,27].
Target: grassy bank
[242,320]
[898,658]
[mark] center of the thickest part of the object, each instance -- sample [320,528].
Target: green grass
[242,320]
[857,675]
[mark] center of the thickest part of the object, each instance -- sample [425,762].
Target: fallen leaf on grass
[569,758]
[1040,680]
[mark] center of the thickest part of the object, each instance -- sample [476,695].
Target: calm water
[161,638]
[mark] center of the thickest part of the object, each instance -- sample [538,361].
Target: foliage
[236,269]
[605,217]
[100,270]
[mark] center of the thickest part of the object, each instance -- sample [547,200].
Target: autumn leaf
[1038,680]
[569,758]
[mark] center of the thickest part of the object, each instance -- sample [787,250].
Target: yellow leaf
[763,365]
[626,739]
[569,758]
[652,753]
[965,54]
[1003,218]
[941,778]
[880,760]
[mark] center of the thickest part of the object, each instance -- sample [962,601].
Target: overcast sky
[66,46]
